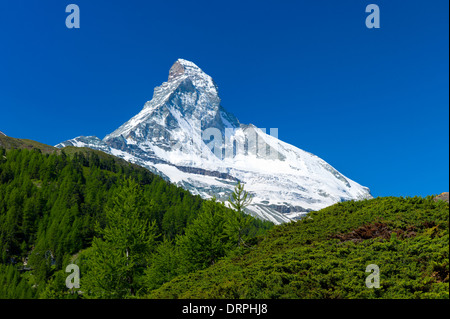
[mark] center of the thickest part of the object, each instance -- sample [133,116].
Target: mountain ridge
[8,142]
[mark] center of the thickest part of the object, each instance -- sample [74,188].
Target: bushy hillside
[326,254]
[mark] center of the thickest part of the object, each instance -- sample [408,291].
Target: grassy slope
[326,255]
[11,143]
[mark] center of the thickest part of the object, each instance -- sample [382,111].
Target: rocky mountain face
[185,135]
[443,196]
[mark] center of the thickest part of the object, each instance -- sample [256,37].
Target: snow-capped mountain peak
[189,69]
[184,134]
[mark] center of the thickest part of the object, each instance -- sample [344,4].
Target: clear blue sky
[374,103]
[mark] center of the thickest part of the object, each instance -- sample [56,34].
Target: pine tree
[239,199]
[238,222]
[119,257]
[165,265]
[205,240]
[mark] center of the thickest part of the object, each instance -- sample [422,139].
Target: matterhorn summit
[185,135]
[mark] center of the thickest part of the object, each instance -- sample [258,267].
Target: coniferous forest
[127,229]
[134,235]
